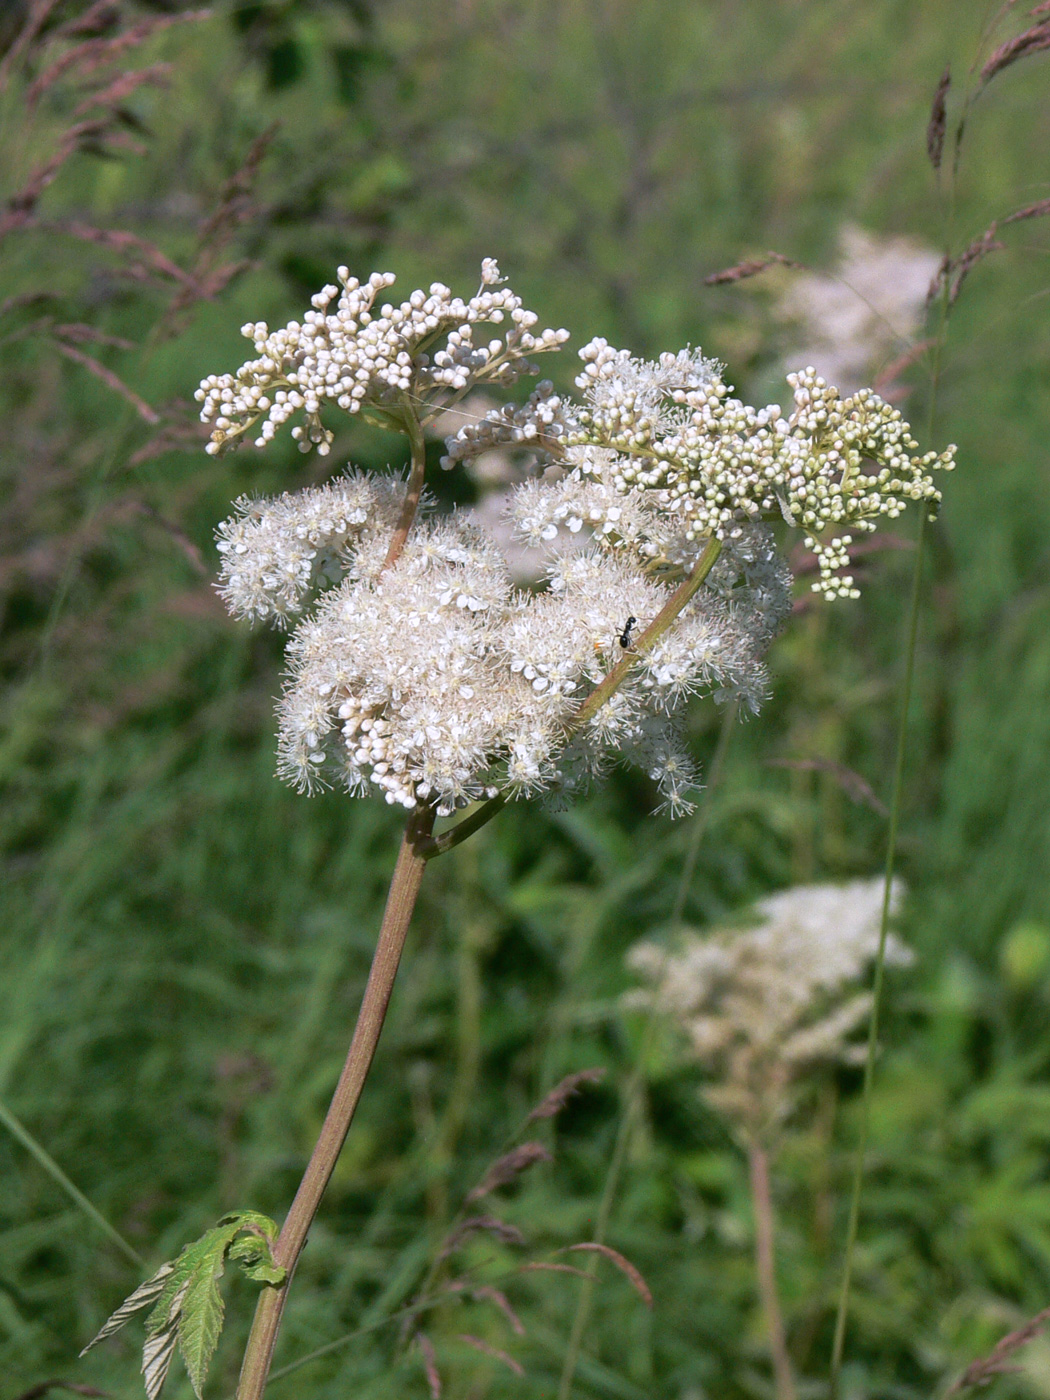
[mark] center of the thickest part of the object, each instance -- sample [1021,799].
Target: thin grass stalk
[633,1093]
[22,1134]
[412,1310]
[880,966]
[856,1188]
[401,900]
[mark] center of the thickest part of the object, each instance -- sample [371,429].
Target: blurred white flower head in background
[762,1004]
[848,325]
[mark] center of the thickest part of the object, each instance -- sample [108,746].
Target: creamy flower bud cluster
[659,457]
[348,353]
[762,1004]
[436,681]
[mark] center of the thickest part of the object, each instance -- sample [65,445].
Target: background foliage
[185,941]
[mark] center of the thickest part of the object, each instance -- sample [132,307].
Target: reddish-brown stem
[404,887]
[765,1266]
[414,491]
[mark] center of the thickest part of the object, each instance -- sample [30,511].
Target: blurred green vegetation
[184,941]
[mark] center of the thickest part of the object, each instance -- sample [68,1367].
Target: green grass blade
[633,1092]
[21,1134]
[880,966]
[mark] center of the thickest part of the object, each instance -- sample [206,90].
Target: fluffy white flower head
[435,680]
[763,1003]
[416,668]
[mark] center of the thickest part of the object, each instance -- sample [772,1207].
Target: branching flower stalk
[766,1269]
[762,1007]
[417,670]
[599,696]
[413,491]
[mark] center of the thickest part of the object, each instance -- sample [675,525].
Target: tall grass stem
[21,1134]
[633,1092]
[880,965]
[842,1310]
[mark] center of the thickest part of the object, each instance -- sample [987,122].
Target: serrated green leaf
[165,1310]
[187,1307]
[142,1297]
[255,1256]
[252,1220]
[200,1257]
[200,1322]
[156,1360]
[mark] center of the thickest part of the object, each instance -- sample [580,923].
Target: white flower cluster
[275,552]
[762,1004]
[416,667]
[660,457]
[865,313]
[345,353]
[436,681]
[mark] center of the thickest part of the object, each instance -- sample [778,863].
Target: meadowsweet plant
[762,1006]
[416,669]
